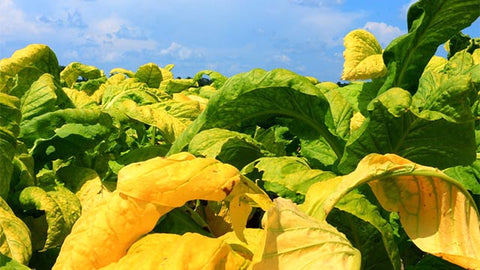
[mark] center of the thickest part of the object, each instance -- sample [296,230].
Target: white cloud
[383,32]
[107,40]
[180,51]
[329,25]
[282,58]
[14,22]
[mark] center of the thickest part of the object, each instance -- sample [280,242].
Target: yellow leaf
[246,248]
[436,211]
[171,251]
[166,181]
[103,235]
[145,191]
[294,240]
[436,64]
[363,56]
[239,215]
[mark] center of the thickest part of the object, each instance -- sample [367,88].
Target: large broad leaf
[150,74]
[118,91]
[294,240]
[86,184]
[61,209]
[363,56]
[74,70]
[169,126]
[44,95]
[14,235]
[430,23]
[171,251]
[394,125]
[177,85]
[257,95]
[145,192]
[25,66]
[368,232]
[62,122]
[291,172]
[9,130]
[227,146]
[436,211]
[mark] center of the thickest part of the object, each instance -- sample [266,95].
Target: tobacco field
[260,170]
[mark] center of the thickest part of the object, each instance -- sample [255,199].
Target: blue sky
[228,36]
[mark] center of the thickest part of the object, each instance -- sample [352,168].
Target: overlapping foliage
[262,170]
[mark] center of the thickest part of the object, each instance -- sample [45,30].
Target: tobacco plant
[261,170]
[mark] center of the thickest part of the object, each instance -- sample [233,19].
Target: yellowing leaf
[71,73]
[86,184]
[363,56]
[104,234]
[145,191]
[171,251]
[294,240]
[436,211]
[61,208]
[436,64]
[14,235]
[166,181]
[248,247]
[239,219]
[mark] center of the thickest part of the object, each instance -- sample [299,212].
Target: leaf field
[260,170]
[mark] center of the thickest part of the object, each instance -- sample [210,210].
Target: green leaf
[227,146]
[14,235]
[116,93]
[180,221]
[290,172]
[61,207]
[136,155]
[177,85]
[393,127]
[168,125]
[9,130]
[41,97]
[469,176]
[150,74]
[74,70]
[257,95]
[340,113]
[441,97]
[62,122]
[23,169]
[25,66]
[430,23]
[294,240]
[366,238]
[359,206]
[273,139]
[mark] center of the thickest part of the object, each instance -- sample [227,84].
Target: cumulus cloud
[14,22]
[383,32]
[180,51]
